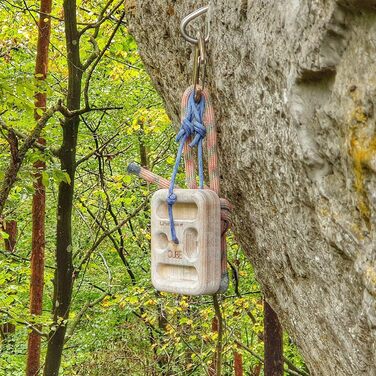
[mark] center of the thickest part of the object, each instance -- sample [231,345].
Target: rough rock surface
[293,84]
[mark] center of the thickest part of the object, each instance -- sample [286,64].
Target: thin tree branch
[93,55]
[105,235]
[293,369]
[97,150]
[89,304]
[72,113]
[18,153]
[17,257]
[101,17]
[23,136]
[124,62]
[26,323]
[244,347]
[98,59]
[218,356]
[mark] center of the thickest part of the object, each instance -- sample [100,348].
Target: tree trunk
[292,88]
[39,197]
[238,364]
[273,343]
[63,281]
[10,227]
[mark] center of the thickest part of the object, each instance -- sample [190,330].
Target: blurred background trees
[100,314]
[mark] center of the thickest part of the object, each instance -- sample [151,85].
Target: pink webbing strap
[211,141]
[190,170]
[189,158]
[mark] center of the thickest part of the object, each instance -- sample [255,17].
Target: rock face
[294,87]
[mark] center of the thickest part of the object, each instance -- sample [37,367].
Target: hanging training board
[192,267]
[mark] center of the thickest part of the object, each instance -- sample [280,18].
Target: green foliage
[121,325]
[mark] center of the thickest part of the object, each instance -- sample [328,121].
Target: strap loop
[192,124]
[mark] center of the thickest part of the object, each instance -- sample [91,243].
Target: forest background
[102,113]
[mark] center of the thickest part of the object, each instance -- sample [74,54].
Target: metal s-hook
[199,60]
[186,20]
[199,67]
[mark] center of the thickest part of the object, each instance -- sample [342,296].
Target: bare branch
[94,54]
[109,274]
[129,65]
[23,136]
[293,369]
[89,252]
[75,322]
[101,17]
[244,347]
[98,59]
[90,304]
[97,150]
[218,350]
[30,9]
[72,113]
[19,258]
[23,322]
[18,153]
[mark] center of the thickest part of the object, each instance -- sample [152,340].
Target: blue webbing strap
[192,124]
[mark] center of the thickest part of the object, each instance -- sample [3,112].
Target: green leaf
[4,235]
[45,179]
[39,111]
[61,176]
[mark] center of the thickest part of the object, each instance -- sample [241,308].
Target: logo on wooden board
[174,254]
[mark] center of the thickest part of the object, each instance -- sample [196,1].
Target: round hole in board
[162,240]
[190,242]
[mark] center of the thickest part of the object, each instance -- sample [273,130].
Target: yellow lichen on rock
[359,115]
[370,279]
[362,149]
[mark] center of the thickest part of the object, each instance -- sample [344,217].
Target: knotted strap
[213,169]
[191,125]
